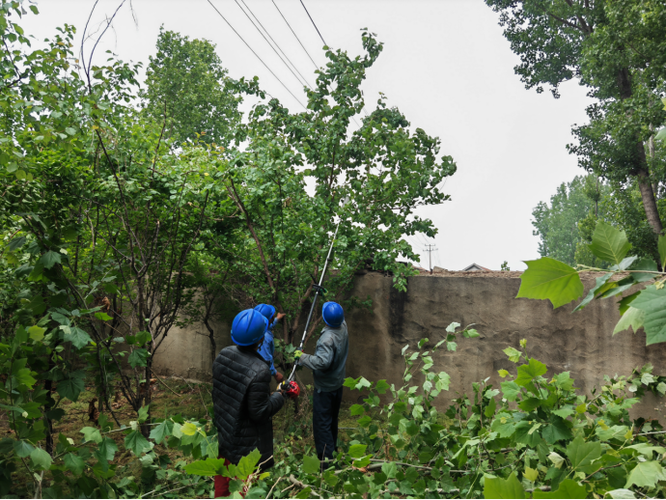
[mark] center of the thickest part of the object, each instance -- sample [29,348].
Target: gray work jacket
[329,359]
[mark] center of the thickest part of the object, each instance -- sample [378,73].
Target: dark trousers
[326,408]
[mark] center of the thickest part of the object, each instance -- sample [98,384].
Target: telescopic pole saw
[318,290]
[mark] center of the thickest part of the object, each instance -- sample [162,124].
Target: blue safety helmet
[248,328]
[267,310]
[333,314]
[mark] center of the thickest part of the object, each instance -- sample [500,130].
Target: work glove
[279,377]
[297,354]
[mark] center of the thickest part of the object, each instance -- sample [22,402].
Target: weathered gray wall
[581,343]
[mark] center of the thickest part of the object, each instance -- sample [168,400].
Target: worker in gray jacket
[328,365]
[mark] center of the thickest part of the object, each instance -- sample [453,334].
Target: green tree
[190,92]
[561,225]
[617,50]
[300,173]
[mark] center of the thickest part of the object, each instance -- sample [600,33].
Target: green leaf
[661,245]
[646,475]
[311,465]
[390,469]
[304,493]
[49,259]
[511,390]
[581,453]
[503,488]
[357,450]
[41,459]
[531,474]
[452,327]
[209,467]
[382,386]
[76,336]
[24,377]
[513,354]
[248,463]
[357,410]
[36,333]
[609,244]
[550,279]
[72,387]
[621,493]
[600,282]
[107,449]
[103,316]
[22,448]
[138,357]
[74,463]
[143,416]
[568,489]
[528,372]
[161,431]
[653,302]
[189,429]
[632,318]
[91,434]
[137,443]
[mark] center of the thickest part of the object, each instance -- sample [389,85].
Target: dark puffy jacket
[243,404]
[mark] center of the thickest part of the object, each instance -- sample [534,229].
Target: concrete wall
[581,343]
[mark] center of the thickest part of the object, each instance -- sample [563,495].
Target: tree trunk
[641,168]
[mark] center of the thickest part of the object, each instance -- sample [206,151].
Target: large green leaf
[609,244]
[91,434]
[550,279]
[248,463]
[357,450]
[632,318]
[497,487]
[581,453]
[652,302]
[107,449]
[311,465]
[600,282]
[50,258]
[137,443]
[209,467]
[72,387]
[41,458]
[528,372]
[646,475]
[138,357]
[159,432]
[568,489]
[75,335]
[74,463]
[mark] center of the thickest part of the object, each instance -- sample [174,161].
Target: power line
[303,79]
[295,35]
[313,23]
[256,55]
[430,249]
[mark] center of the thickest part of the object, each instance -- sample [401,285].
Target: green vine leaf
[568,489]
[646,475]
[609,244]
[503,488]
[652,302]
[632,318]
[550,279]
[581,453]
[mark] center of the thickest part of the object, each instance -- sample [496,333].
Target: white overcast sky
[445,65]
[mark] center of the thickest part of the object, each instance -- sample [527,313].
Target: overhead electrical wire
[303,81]
[314,24]
[295,35]
[256,55]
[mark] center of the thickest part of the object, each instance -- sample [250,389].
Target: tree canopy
[617,50]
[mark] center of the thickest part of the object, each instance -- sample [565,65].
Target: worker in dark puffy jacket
[328,365]
[243,403]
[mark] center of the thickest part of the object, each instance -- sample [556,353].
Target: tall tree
[617,49]
[557,225]
[188,89]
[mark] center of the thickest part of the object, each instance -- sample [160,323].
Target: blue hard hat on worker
[267,310]
[248,328]
[333,314]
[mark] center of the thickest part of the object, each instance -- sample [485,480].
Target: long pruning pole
[318,291]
